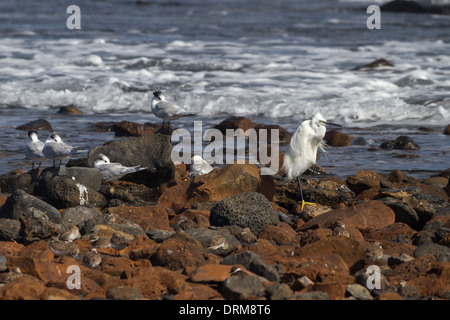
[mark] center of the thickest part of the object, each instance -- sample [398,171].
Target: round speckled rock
[250,209]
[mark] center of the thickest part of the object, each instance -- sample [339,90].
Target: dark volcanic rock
[78,216]
[430,248]
[124,293]
[250,209]
[36,125]
[242,286]
[69,110]
[447,130]
[375,64]
[152,151]
[21,204]
[61,187]
[253,262]
[403,212]
[401,143]
[413,7]
[214,241]
[9,229]
[132,129]
[15,180]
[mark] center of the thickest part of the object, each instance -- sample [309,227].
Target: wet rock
[430,248]
[336,138]
[250,209]
[401,143]
[358,292]
[215,241]
[157,235]
[148,217]
[178,252]
[9,229]
[219,184]
[152,151]
[360,141]
[235,123]
[124,293]
[36,125]
[21,204]
[375,64]
[413,7]
[72,110]
[403,212]
[242,286]
[132,129]
[367,216]
[278,291]
[3,264]
[15,180]
[253,262]
[447,130]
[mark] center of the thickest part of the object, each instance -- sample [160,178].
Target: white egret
[302,152]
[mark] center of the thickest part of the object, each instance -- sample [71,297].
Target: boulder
[250,209]
[78,216]
[152,151]
[36,125]
[132,129]
[375,64]
[70,110]
[9,229]
[335,138]
[430,248]
[147,217]
[215,241]
[253,262]
[401,143]
[242,286]
[414,7]
[15,180]
[447,130]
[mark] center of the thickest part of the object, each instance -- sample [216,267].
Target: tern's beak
[332,124]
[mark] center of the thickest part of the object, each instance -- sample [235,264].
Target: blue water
[275,62]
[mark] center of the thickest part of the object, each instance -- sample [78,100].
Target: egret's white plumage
[199,166]
[33,148]
[113,169]
[56,149]
[302,152]
[166,110]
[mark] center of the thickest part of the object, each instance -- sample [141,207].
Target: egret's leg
[301,194]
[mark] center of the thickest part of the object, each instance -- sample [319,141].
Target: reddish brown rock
[335,290]
[282,234]
[140,248]
[42,269]
[179,252]
[336,138]
[128,128]
[216,186]
[2,199]
[410,270]
[70,109]
[181,172]
[36,125]
[148,217]
[364,180]
[323,268]
[366,217]
[391,231]
[22,288]
[235,123]
[197,291]
[310,236]
[350,250]
[389,296]
[369,194]
[115,266]
[283,135]
[9,248]
[395,249]
[38,250]
[57,294]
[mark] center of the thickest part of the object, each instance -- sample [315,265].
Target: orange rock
[367,216]
[140,248]
[8,248]
[38,250]
[326,267]
[281,234]
[148,217]
[42,269]
[397,248]
[214,273]
[350,250]
[197,291]
[178,252]
[57,294]
[310,236]
[216,186]
[436,282]
[336,138]
[22,288]
[389,296]
[115,266]
[364,180]
[335,290]
[181,172]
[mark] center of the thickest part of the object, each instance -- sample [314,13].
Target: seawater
[276,62]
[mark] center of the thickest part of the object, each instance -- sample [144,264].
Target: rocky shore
[229,234]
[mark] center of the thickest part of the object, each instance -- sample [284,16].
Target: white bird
[166,110]
[56,149]
[199,166]
[302,152]
[114,169]
[33,148]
